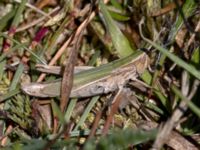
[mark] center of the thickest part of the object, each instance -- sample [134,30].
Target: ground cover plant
[112,74]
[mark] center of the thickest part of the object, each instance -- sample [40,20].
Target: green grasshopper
[99,80]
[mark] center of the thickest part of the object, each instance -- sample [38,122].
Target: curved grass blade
[27,49]
[191,69]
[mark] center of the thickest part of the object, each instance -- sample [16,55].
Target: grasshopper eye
[97,89]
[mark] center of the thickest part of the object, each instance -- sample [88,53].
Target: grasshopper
[99,80]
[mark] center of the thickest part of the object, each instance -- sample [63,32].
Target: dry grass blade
[67,80]
[63,48]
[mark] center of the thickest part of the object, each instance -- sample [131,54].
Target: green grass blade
[116,4]
[27,49]
[191,69]
[118,16]
[70,109]
[21,8]
[11,50]
[146,76]
[86,112]
[195,60]
[57,112]
[2,65]
[190,104]
[120,42]
[17,77]
[5,19]
[9,94]
[188,8]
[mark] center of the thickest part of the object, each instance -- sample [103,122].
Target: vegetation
[153,109]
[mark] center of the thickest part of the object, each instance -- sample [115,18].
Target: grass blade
[121,139]
[9,94]
[27,49]
[16,19]
[57,112]
[86,112]
[17,77]
[190,104]
[70,109]
[120,42]
[191,69]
